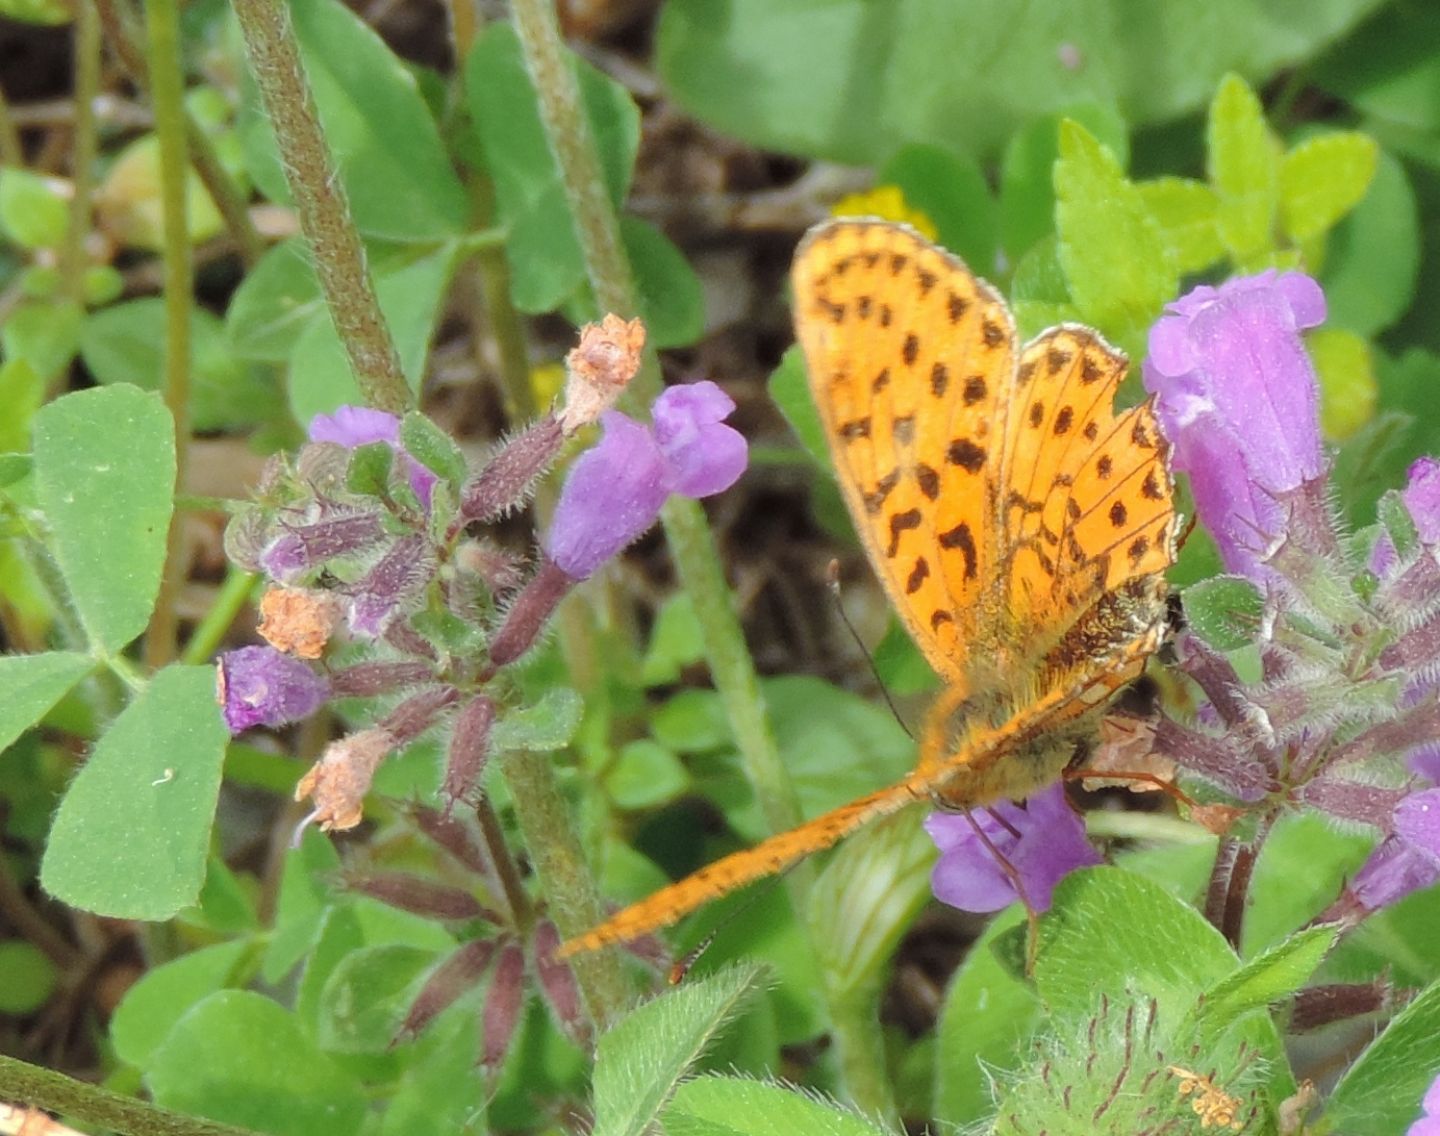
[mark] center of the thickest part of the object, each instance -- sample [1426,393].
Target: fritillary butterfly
[1020,524]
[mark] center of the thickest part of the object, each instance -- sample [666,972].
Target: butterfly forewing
[910,357]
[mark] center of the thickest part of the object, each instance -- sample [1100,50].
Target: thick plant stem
[574,902]
[87,89]
[321,204]
[229,200]
[167,99]
[33,1087]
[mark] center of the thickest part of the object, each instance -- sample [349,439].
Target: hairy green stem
[506,328]
[321,204]
[167,99]
[34,1087]
[83,149]
[229,200]
[547,824]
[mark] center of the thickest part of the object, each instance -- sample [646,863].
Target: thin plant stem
[506,327]
[522,912]
[573,899]
[33,1087]
[463,27]
[234,593]
[12,153]
[83,149]
[321,204]
[224,192]
[167,98]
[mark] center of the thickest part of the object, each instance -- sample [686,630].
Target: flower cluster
[370,536]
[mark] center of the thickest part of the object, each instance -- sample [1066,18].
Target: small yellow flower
[887,202]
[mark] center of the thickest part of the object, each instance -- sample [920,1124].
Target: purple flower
[1043,841]
[259,686]
[1429,1124]
[1238,399]
[354,426]
[1406,861]
[615,490]
[1421,496]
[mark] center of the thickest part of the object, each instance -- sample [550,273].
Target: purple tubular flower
[1238,399]
[1407,861]
[353,426]
[1429,1124]
[1043,842]
[259,686]
[615,490]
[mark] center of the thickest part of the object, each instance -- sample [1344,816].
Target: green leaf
[1114,255]
[1302,867]
[438,1093]
[44,334]
[410,298]
[367,996]
[952,191]
[671,300]
[544,251]
[382,138]
[1273,976]
[547,725]
[676,641]
[241,1059]
[735,1106]
[1380,1093]
[640,1061]
[984,1023]
[125,343]
[694,721]
[963,77]
[1027,182]
[105,476]
[21,394]
[1324,178]
[864,901]
[1244,167]
[1186,212]
[1224,611]
[33,211]
[305,895]
[433,448]
[27,977]
[32,684]
[163,995]
[131,836]
[790,392]
[1372,258]
[1115,933]
[1399,524]
[645,774]
[274,304]
[1374,459]
[368,472]
[1348,388]
[1389,67]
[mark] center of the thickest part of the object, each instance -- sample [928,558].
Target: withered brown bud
[557,981]
[417,714]
[457,836]
[529,613]
[599,368]
[503,1003]
[451,979]
[507,478]
[469,749]
[339,781]
[298,621]
[418,895]
[365,680]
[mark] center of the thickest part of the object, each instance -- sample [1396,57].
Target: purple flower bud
[1238,399]
[365,680]
[260,686]
[452,833]
[1043,841]
[417,714]
[557,980]
[529,612]
[353,426]
[469,749]
[451,979]
[419,896]
[304,547]
[502,1006]
[508,477]
[394,581]
[615,490]
[1405,862]
[1421,496]
[1429,1124]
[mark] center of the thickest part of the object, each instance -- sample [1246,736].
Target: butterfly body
[1020,525]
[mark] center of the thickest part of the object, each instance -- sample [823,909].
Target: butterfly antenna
[832,581]
[681,966]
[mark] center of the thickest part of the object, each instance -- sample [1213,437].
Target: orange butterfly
[1021,526]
